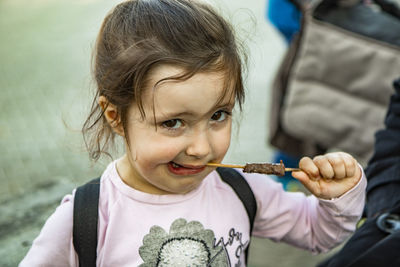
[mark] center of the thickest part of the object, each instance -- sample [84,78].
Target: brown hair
[138,35]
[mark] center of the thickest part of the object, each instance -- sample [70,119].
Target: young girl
[169,74]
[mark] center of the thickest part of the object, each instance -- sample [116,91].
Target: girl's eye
[172,124]
[220,115]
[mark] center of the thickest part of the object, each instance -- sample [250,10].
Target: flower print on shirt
[186,244]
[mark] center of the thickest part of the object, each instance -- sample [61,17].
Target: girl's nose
[199,145]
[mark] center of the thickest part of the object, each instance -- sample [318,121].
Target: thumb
[312,184]
[306,180]
[301,176]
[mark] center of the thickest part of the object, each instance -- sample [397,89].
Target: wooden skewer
[242,166]
[225,165]
[292,169]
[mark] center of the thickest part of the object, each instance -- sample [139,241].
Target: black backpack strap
[243,191]
[86,203]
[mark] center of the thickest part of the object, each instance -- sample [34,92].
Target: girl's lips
[184,170]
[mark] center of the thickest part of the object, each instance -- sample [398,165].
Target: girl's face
[184,129]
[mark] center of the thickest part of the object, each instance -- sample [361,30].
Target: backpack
[375,243]
[334,84]
[86,203]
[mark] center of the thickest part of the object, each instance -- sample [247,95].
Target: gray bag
[334,85]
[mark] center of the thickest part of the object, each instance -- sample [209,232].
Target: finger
[324,166]
[308,166]
[337,162]
[301,176]
[306,180]
[350,164]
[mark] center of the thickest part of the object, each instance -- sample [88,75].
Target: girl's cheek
[159,150]
[223,140]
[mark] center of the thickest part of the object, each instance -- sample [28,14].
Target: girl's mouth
[178,169]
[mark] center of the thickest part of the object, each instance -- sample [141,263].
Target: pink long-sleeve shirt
[209,225]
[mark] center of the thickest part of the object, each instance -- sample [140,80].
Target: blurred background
[45,94]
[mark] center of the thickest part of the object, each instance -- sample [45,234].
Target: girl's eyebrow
[191,114]
[177,114]
[165,115]
[228,105]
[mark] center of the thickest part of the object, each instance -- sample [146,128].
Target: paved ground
[44,88]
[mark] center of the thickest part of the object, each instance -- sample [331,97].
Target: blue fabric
[290,162]
[284,16]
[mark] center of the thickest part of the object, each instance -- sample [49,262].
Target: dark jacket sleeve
[383,171]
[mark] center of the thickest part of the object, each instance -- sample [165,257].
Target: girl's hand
[330,175]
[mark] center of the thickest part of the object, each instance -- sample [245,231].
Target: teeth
[175,165]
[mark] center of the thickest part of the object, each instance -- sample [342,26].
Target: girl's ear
[112,116]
